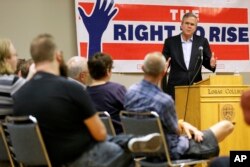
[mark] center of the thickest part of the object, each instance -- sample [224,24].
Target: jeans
[111,153]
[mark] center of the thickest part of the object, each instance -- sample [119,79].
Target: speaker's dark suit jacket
[179,74]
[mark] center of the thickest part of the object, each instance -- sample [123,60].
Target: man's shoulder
[9,79]
[115,85]
[133,89]
[55,81]
[71,84]
[145,88]
[77,82]
[135,86]
[164,95]
[172,39]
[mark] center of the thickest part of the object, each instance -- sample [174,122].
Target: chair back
[106,119]
[143,123]
[26,141]
[3,151]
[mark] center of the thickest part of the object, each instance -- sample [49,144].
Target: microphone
[200,65]
[201,50]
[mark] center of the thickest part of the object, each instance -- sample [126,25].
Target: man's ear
[82,76]
[58,56]
[143,68]
[165,70]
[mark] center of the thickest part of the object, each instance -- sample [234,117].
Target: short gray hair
[76,65]
[154,63]
[187,15]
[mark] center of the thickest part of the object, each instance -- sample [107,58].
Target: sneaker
[148,143]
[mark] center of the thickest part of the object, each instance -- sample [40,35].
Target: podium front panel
[205,105]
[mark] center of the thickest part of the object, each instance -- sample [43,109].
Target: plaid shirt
[145,96]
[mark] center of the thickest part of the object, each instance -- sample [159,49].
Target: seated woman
[106,96]
[9,82]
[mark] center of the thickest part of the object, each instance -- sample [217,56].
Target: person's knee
[223,126]
[222,129]
[228,126]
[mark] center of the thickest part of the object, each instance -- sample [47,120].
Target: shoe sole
[152,144]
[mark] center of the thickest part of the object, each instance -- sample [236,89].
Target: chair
[3,151]
[25,141]
[4,154]
[149,122]
[106,119]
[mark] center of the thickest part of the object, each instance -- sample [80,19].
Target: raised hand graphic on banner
[97,22]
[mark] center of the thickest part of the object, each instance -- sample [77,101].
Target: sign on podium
[212,100]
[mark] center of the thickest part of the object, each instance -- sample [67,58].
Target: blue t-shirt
[109,97]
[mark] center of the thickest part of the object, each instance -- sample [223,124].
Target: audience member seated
[18,66]
[78,70]
[24,68]
[245,105]
[147,96]
[9,83]
[72,130]
[106,96]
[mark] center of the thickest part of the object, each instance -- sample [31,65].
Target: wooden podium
[214,99]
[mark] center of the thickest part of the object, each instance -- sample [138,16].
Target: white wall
[22,20]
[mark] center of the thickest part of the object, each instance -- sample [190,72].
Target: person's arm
[209,62]
[96,128]
[17,84]
[168,115]
[213,61]
[166,54]
[120,95]
[166,50]
[32,71]
[87,112]
[189,130]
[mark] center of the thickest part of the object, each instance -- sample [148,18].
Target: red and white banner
[129,29]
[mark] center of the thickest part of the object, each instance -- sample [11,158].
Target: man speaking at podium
[188,52]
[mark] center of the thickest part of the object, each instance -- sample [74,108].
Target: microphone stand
[200,57]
